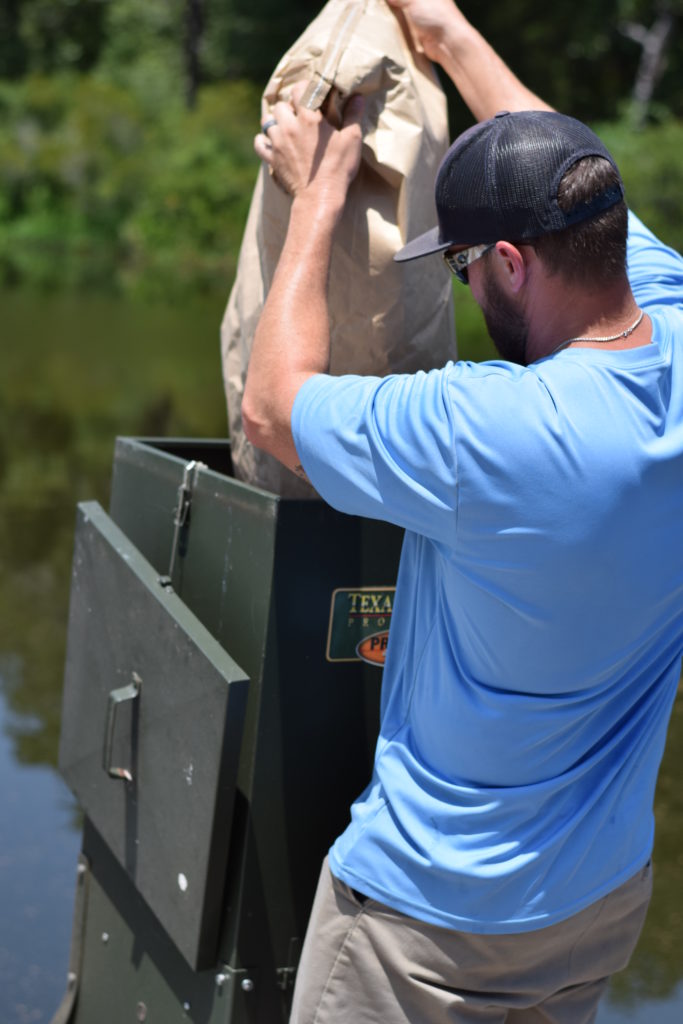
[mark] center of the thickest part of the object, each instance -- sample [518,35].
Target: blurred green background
[126,127]
[126,170]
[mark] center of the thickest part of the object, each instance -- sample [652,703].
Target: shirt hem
[476,927]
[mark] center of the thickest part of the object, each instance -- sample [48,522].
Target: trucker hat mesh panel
[500,181]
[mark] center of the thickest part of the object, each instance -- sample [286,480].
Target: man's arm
[483,80]
[315,163]
[655,271]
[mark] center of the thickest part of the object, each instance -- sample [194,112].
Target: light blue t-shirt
[537,631]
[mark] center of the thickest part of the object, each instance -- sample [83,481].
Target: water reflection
[644,1011]
[76,372]
[40,843]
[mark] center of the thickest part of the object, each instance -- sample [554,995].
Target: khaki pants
[364,963]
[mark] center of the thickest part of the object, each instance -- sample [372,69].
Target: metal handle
[116,697]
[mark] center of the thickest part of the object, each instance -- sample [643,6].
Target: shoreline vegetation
[101,188]
[126,128]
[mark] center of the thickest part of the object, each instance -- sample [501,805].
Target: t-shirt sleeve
[655,271]
[382,447]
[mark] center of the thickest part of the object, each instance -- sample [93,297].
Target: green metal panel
[153,712]
[259,573]
[131,971]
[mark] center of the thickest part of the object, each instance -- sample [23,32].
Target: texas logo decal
[359,624]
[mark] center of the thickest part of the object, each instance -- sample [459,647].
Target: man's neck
[563,317]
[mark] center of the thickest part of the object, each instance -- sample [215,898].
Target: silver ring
[269,124]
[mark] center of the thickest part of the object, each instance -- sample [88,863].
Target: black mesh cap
[499,180]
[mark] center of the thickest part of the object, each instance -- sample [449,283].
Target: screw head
[141,1012]
[247,985]
[105,937]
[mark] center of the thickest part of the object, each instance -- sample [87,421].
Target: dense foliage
[126,127]
[95,187]
[578,56]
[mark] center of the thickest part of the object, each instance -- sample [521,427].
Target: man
[497,868]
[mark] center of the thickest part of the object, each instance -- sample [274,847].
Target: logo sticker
[359,624]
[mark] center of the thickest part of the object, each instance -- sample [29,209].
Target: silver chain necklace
[612,337]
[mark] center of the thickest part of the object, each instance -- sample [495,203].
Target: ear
[513,265]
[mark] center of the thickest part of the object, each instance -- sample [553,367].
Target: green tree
[245,39]
[143,50]
[577,57]
[49,35]
[12,50]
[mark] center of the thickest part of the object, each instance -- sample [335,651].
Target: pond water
[77,371]
[40,844]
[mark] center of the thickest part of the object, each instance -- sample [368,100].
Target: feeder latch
[181,516]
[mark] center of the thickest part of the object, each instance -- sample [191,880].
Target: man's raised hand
[430,22]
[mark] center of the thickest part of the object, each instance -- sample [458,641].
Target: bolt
[141,1012]
[186,1007]
[105,937]
[221,979]
[247,985]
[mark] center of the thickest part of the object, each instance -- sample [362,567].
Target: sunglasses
[458,262]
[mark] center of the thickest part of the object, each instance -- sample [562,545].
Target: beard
[507,327]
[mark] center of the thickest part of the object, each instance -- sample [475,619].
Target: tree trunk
[194,27]
[654,42]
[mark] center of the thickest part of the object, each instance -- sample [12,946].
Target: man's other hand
[429,22]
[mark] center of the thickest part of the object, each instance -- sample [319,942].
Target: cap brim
[423,245]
